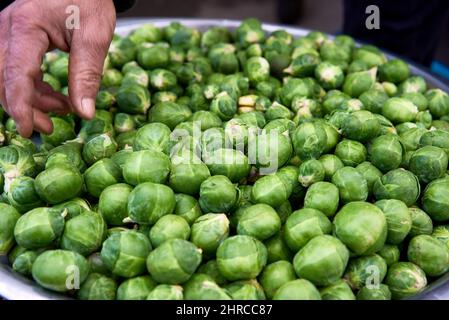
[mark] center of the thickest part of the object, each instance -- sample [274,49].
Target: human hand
[30,28]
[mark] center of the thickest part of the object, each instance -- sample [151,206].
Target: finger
[42,122]
[48,100]
[26,47]
[89,47]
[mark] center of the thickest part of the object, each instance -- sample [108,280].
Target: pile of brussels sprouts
[168,193]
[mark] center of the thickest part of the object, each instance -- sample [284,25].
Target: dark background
[324,15]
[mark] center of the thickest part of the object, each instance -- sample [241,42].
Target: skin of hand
[30,28]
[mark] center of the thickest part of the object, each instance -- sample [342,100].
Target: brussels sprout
[294,87]
[303,225]
[358,82]
[310,172]
[124,122]
[411,137]
[99,147]
[277,249]
[373,293]
[8,218]
[322,260]
[245,290]
[303,65]
[187,207]
[405,279]
[331,163]
[373,100]
[100,175]
[323,196]
[259,221]
[421,222]
[434,199]
[169,113]
[366,271]
[339,290]
[146,166]
[174,261]
[399,220]
[203,287]
[52,81]
[73,207]
[133,99]
[438,102]
[125,253]
[390,253]
[137,288]
[97,287]
[22,194]
[153,136]
[206,119]
[23,263]
[98,266]
[59,68]
[148,202]
[166,292]
[152,56]
[441,233]
[309,140]
[355,221]
[215,35]
[430,254]
[399,110]
[351,184]
[211,269]
[361,126]
[329,75]
[398,184]
[169,227]
[299,289]
[262,191]
[217,194]
[84,233]
[250,253]
[437,138]
[111,78]
[428,163]
[186,175]
[53,269]
[395,71]
[208,231]
[39,228]
[386,152]
[62,131]
[231,163]
[351,153]
[113,203]
[370,173]
[275,275]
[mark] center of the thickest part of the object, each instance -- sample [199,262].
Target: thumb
[87,54]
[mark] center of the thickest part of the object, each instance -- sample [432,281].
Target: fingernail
[88,107]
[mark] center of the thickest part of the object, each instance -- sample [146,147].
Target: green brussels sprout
[166,292]
[22,194]
[215,35]
[278,111]
[133,99]
[39,228]
[84,233]
[299,289]
[187,207]
[223,58]
[373,293]
[424,119]
[161,79]
[438,102]
[23,263]
[73,207]
[62,131]
[60,270]
[263,190]
[428,163]
[366,271]
[125,253]
[329,75]
[362,227]
[101,175]
[350,152]
[257,69]
[224,106]
[351,184]
[421,222]
[97,287]
[395,71]
[113,203]
[309,140]
[331,163]
[8,217]
[59,68]
[137,288]
[306,109]
[135,76]
[399,220]
[111,78]
[169,227]
[146,166]
[405,279]
[148,202]
[98,266]
[259,221]
[310,172]
[169,113]
[339,290]
[358,82]
[303,65]
[361,126]
[303,225]
[186,175]
[231,163]
[245,290]
[437,138]
[390,253]
[217,194]
[430,254]
[206,119]
[333,100]
[434,199]
[152,56]
[250,31]
[398,184]
[322,196]
[373,100]
[211,269]
[386,152]
[441,233]
[123,122]
[250,253]
[209,231]
[331,51]
[294,87]
[322,260]
[370,173]
[203,287]
[153,136]
[399,110]
[277,249]
[411,137]
[99,147]
[413,84]
[52,81]
[275,275]
[174,261]
[356,66]
[418,100]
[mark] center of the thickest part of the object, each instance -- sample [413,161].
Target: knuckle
[89,77]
